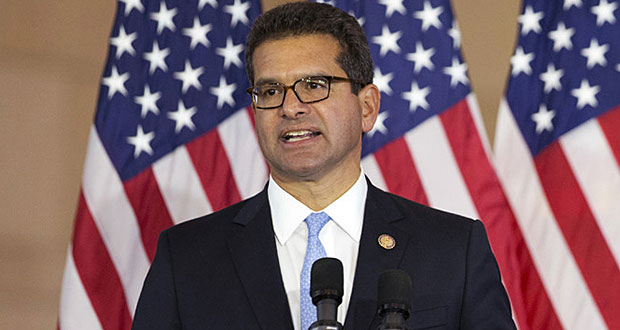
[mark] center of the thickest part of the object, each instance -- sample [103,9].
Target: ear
[370,101]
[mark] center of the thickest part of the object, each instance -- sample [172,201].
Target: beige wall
[51,57]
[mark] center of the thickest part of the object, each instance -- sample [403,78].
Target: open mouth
[294,136]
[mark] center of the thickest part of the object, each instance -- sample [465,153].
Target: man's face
[308,142]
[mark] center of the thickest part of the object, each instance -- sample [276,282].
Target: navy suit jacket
[221,271]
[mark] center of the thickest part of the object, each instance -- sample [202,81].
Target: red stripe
[610,124]
[399,171]
[580,230]
[149,207]
[532,307]
[250,112]
[97,272]
[211,163]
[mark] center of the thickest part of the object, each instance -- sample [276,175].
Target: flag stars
[230,53]
[238,11]
[131,4]
[417,97]
[421,58]
[604,12]
[148,102]
[530,20]
[457,72]
[429,16]
[116,82]
[182,117]
[202,3]
[570,3]
[189,77]
[586,94]
[543,118]
[562,37]
[392,6]
[157,58]
[551,78]
[164,18]
[198,34]
[455,34]
[379,124]
[521,62]
[224,93]
[383,81]
[123,42]
[387,41]
[141,142]
[595,54]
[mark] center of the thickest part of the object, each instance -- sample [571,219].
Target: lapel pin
[386,241]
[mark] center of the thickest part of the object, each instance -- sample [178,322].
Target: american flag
[557,150]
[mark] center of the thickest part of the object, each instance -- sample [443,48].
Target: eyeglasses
[307,90]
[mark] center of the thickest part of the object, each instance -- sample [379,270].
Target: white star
[551,78]
[457,72]
[230,53]
[595,54]
[116,82]
[417,96]
[586,94]
[238,11]
[393,5]
[455,33]
[379,124]
[543,118]
[521,62]
[224,93]
[569,3]
[421,58]
[383,81]
[388,41]
[198,33]
[189,77]
[429,16]
[131,4]
[148,102]
[360,20]
[164,18]
[202,3]
[530,20]
[123,42]
[618,67]
[157,58]
[329,2]
[604,12]
[561,37]
[182,117]
[141,142]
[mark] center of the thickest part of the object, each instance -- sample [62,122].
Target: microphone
[393,299]
[326,291]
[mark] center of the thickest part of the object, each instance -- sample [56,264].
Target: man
[246,267]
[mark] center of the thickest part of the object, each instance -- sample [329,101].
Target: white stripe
[105,196]
[244,155]
[592,160]
[371,169]
[438,170]
[558,271]
[180,186]
[474,109]
[75,311]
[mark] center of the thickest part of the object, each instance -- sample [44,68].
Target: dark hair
[303,18]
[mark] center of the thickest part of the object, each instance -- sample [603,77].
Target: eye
[315,83]
[268,91]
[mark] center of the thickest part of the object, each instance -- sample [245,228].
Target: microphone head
[394,291]
[326,280]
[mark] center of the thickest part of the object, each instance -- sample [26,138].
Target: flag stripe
[580,230]
[529,299]
[372,170]
[74,301]
[439,174]
[148,205]
[610,124]
[399,172]
[596,170]
[180,186]
[213,168]
[560,275]
[100,279]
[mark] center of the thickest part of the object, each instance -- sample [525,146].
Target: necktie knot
[315,222]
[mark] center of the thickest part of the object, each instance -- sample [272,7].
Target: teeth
[298,135]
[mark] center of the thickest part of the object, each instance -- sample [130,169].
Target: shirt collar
[288,213]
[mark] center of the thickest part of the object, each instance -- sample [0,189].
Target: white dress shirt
[340,238]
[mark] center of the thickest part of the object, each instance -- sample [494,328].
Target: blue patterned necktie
[314,251]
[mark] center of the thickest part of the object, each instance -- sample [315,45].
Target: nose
[292,106]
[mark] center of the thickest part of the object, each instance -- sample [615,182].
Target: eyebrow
[272,81]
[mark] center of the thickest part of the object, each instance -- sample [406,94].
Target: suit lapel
[380,216]
[254,254]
